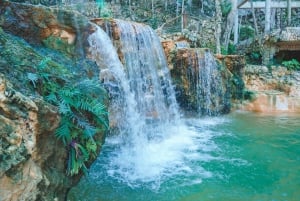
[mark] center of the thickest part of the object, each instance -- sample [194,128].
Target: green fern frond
[63,132]
[102,121]
[91,87]
[90,131]
[91,146]
[64,108]
[81,106]
[51,98]
[82,152]
[82,123]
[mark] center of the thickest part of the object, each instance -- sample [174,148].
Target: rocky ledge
[32,162]
[272,90]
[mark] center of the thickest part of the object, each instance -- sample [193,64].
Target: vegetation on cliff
[70,84]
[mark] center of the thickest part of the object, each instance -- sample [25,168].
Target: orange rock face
[36,24]
[276,90]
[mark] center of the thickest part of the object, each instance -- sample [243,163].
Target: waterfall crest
[147,71]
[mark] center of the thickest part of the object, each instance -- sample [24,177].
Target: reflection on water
[242,156]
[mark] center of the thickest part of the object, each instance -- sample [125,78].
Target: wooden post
[236,27]
[268,17]
[289,9]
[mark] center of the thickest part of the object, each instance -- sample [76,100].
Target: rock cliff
[33,161]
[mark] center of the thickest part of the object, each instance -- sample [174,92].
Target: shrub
[291,64]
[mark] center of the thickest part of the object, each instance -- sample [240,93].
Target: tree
[218,26]
[229,24]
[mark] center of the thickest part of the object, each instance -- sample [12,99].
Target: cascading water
[113,76]
[210,91]
[151,143]
[155,155]
[147,71]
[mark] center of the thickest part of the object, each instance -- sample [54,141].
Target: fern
[63,132]
[82,109]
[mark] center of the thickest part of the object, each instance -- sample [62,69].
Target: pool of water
[242,156]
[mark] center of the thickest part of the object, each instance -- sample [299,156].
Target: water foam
[147,148]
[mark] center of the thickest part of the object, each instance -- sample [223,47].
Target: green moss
[249,95]
[59,44]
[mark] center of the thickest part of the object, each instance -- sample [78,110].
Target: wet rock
[202,84]
[57,29]
[27,126]
[277,89]
[32,159]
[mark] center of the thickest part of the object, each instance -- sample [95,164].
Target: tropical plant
[81,106]
[292,64]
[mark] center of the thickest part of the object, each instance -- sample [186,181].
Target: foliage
[81,106]
[226,7]
[231,49]
[292,64]
[59,44]
[153,22]
[254,57]
[246,32]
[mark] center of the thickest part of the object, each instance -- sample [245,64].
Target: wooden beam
[242,2]
[275,4]
[288,46]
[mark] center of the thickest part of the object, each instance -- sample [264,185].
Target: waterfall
[123,105]
[210,91]
[151,142]
[147,71]
[142,87]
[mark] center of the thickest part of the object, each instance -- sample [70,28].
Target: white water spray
[153,143]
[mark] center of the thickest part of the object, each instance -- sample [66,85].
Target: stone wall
[201,37]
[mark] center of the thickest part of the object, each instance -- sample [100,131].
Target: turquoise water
[242,156]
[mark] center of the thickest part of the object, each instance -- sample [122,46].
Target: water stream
[210,91]
[241,156]
[155,155]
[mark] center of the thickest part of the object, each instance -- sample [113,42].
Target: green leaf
[63,132]
[91,146]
